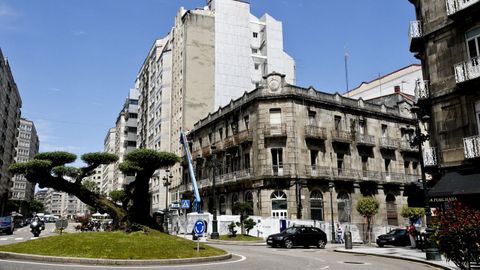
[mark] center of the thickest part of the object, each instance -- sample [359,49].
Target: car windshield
[396,232]
[291,230]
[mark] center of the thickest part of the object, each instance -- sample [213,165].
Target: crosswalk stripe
[20,238]
[3,239]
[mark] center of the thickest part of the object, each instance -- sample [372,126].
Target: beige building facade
[298,153]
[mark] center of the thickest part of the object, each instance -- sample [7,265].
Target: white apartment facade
[405,80]
[27,148]
[108,173]
[211,56]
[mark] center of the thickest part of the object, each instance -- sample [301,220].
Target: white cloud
[53,89]
[79,33]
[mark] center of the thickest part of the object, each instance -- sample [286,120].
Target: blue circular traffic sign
[199,227]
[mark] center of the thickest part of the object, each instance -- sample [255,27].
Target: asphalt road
[258,257]
[24,234]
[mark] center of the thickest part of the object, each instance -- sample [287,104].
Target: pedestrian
[339,234]
[412,233]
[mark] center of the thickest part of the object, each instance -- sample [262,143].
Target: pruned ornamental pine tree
[50,170]
[368,207]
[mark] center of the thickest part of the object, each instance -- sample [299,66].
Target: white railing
[421,89]
[415,29]
[430,157]
[454,6]
[471,146]
[467,70]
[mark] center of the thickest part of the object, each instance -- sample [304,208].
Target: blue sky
[74,61]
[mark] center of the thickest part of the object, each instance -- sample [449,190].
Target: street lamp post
[330,188]
[166,183]
[431,250]
[214,234]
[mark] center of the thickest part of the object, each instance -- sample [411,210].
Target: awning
[454,183]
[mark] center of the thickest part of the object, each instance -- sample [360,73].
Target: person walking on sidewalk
[412,233]
[339,234]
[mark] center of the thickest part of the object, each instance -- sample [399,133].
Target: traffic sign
[199,227]
[185,204]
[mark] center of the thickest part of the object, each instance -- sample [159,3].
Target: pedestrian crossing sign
[185,204]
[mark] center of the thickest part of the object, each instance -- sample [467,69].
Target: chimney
[397,89]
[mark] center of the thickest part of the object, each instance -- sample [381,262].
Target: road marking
[242,258]
[20,238]
[3,239]
[326,267]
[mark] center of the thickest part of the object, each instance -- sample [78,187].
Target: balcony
[277,170]
[364,139]
[341,136]
[468,70]
[315,132]
[388,143]
[235,176]
[415,34]
[430,157]
[394,177]
[317,171]
[275,130]
[422,91]
[228,142]
[471,146]
[406,146]
[454,6]
[244,136]
[343,173]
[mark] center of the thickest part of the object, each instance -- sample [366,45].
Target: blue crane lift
[197,203]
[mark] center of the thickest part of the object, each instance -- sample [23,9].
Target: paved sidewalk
[404,253]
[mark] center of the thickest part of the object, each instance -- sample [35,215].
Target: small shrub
[231,229]
[248,224]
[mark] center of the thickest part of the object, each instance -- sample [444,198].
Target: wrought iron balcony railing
[317,171]
[415,30]
[365,139]
[453,6]
[315,132]
[430,157]
[244,136]
[228,142]
[277,170]
[471,147]
[468,70]
[421,89]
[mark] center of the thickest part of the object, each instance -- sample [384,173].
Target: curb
[91,261]
[237,243]
[397,257]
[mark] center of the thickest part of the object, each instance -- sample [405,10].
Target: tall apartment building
[287,150]
[403,80]
[27,147]
[10,104]
[108,174]
[63,204]
[211,56]
[125,137]
[446,38]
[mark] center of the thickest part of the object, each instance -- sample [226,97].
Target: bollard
[348,239]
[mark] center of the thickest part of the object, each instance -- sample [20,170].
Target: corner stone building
[288,150]
[446,38]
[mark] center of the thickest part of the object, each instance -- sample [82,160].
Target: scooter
[36,227]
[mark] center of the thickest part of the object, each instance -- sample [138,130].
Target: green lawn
[114,245]
[240,237]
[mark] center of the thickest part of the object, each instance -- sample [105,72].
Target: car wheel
[380,245]
[10,232]
[36,234]
[321,243]
[288,243]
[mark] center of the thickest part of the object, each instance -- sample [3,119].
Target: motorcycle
[36,227]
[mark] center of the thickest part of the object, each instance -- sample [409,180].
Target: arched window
[249,200]
[223,205]
[279,204]
[316,205]
[234,201]
[344,207]
[392,217]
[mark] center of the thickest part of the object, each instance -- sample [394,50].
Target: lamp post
[166,183]
[431,250]
[330,188]
[214,234]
